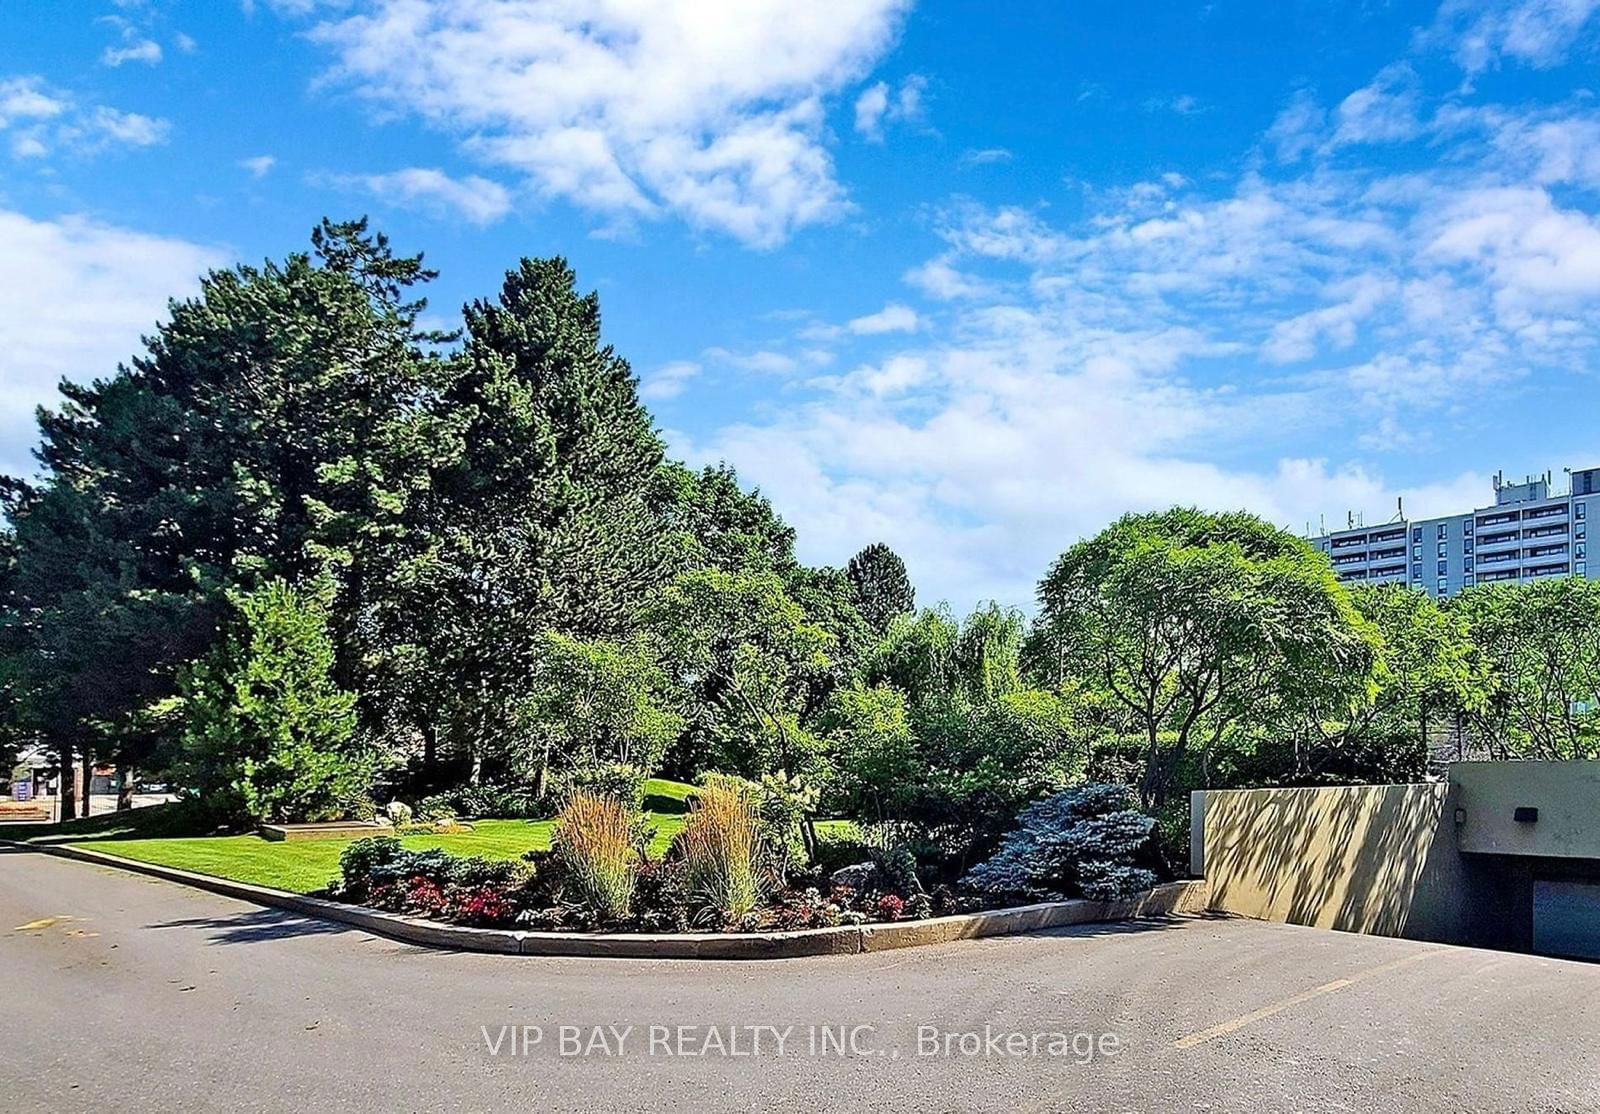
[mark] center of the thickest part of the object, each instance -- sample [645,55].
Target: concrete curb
[1165,900]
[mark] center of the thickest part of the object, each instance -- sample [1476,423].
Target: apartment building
[1525,534]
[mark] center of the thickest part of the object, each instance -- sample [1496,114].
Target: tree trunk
[125,780]
[88,781]
[430,749]
[65,795]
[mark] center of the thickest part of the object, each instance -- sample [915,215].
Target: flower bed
[728,870]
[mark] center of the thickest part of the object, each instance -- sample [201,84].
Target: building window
[1579,512]
[1416,552]
[1579,551]
[1467,567]
[1442,586]
[1441,530]
[1444,567]
[1466,527]
[1583,568]
[1416,571]
[1442,549]
[1466,582]
[1416,535]
[1580,531]
[1466,548]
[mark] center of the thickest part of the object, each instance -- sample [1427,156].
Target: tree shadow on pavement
[257,926]
[1122,928]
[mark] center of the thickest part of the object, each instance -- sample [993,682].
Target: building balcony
[1391,536]
[1389,554]
[1498,559]
[1557,531]
[1539,514]
[1496,519]
[1490,541]
[1540,572]
[1546,551]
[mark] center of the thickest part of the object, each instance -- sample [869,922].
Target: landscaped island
[306,559]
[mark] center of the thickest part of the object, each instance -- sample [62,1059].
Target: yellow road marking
[34,926]
[1226,1027]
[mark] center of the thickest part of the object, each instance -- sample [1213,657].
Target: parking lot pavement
[131,993]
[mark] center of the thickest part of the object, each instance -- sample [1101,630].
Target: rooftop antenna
[1399,509]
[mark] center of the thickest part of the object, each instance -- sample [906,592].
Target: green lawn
[308,865]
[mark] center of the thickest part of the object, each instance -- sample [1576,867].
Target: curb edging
[1172,898]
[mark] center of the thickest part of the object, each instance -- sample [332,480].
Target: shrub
[721,847]
[618,780]
[890,847]
[598,843]
[1083,840]
[358,861]
[506,802]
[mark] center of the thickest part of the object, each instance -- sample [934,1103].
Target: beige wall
[1380,859]
[1567,795]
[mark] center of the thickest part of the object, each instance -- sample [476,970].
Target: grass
[306,866]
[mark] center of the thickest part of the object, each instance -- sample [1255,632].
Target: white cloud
[870,108]
[185,43]
[1184,104]
[108,125]
[878,105]
[472,198]
[892,318]
[1297,130]
[712,110]
[764,361]
[985,156]
[25,98]
[38,121]
[79,294]
[147,51]
[258,165]
[1482,33]
[669,380]
[1530,248]
[1384,111]
[939,278]
[1184,342]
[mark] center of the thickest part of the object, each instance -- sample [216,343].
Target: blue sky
[968,278]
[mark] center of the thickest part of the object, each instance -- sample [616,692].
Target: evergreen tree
[882,588]
[277,424]
[268,735]
[546,520]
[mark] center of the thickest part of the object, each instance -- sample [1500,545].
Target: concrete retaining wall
[1379,859]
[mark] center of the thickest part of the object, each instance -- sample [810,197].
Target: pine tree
[882,588]
[546,520]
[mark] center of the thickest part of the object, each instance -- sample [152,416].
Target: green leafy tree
[596,703]
[871,749]
[269,735]
[743,653]
[1199,625]
[1426,668]
[1540,643]
[881,586]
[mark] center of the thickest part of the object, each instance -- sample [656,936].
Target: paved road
[119,992]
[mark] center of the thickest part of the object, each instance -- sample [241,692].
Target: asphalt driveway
[124,992]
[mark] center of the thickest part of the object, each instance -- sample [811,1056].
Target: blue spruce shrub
[1081,840]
